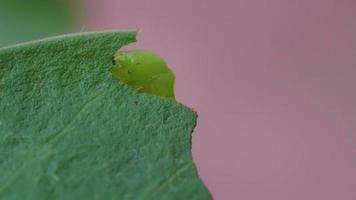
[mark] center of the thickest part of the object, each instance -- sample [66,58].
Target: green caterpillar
[144,71]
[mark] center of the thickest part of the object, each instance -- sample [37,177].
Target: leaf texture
[70,130]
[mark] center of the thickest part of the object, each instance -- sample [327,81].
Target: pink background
[273,83]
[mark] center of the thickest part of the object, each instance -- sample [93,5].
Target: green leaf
[70,130]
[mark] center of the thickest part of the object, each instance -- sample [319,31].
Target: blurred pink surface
[273,83]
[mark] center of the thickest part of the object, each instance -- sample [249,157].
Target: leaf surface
[70,130]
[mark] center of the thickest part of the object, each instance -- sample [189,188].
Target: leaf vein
[165,182]
[63,132]
[52,141]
